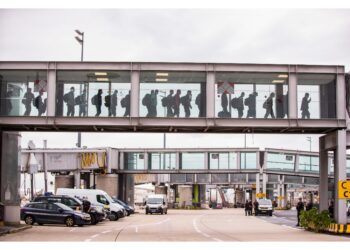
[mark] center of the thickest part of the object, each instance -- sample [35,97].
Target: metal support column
[339,175]
[292,96]
[135,92]
[210,94]
[323,163]
[51,92]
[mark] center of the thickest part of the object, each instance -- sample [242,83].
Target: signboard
[40,85]
[226,87]
[344,189]
[260,195]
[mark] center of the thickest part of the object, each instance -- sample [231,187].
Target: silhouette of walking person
[153,103]
[198,102]
[27,100]
[70,100]
[251,103]
[305,113]
[177,103]
[97,101]
[268,105]
[82,102]
[40,104]
[186,102]
[170,104]
[125,103]
[240,106]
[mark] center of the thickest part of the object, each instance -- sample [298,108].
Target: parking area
[180,225]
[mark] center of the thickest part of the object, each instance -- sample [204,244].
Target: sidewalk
[13,229]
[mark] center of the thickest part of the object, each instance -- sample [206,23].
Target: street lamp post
[80,39]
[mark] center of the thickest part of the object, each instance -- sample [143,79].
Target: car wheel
[93,220]
[69,222]
[29,220]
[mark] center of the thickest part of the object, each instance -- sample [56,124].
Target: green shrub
[315,221]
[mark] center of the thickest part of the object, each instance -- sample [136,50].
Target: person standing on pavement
[246,208]
[331,210]
[256,207]
[310,205]
[250,207]
[300,207]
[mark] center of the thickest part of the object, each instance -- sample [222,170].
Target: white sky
[303,36]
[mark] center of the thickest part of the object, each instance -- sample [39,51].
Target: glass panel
[172,94]
[192,161]
[165,161]
[308,163]
[316,96]
[23,93]
[134,161]
[248,160]
[251,95]
[90,93]
[227,160]
[280,161]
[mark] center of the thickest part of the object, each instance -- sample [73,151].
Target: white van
[156,203]
[96,197]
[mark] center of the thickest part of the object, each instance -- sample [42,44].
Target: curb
[14,230]
[339,228]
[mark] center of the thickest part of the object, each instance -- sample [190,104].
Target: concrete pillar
[285,195]
[257,184]
[264,183]
[239,196]
[341,101]
[135,94]
[126,188]
[51,92]
[185,195]
[77,179]
[10,175]
[108,183]
[210,94]
[323,163]
[202,192]
[292,96]
[279,194]
[339,175]
[64,181]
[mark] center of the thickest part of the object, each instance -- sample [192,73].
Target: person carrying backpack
[125,103]
[27,100]
[176,103]
[186,102]
[70,100]
[97,101]
[169,104]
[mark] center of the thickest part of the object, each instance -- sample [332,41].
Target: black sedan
[53,213]
[129,209]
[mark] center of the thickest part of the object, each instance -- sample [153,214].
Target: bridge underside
[180,125]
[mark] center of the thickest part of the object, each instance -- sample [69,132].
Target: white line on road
[105,232]
[87,240]
[216,239]
[194,222]
[95,235]
[72,230]
[136,229]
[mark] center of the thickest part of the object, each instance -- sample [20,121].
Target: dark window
[102,199]
[70,202]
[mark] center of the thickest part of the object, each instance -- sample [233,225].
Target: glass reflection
[86,93]
[251,95]
[23,93]
[172,94]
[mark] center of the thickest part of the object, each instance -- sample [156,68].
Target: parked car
[53,213]
[156,203]
[96,197]
[265,207]
[97,213]
[129,209]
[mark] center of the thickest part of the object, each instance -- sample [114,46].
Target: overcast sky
[234,35]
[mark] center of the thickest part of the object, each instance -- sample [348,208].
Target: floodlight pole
[81,41]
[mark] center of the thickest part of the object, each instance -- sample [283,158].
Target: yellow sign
[260,195]
[344,189]
[280,197]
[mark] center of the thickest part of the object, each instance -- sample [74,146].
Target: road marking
[206,235]
[194,222]
[95,235]
[136,229]
[87,240]
[72,230]
[105,232]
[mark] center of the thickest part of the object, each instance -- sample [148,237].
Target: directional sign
[260,195]
[226,87]
[344,189]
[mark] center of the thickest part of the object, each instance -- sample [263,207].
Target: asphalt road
[180,225]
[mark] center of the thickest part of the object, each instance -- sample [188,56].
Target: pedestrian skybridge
[172,97]
[185,165]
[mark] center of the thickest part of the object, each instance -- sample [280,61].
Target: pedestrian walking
[186,102]
[97,101]
[250,207]
[177,103]
[246,208]
[69,99]
[300,207]
[305,113]
[125,103]
[331,210]
[268,105]
[256,207]
[28,100]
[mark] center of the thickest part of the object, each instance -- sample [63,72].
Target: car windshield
[64,206]
[119,202]
[155,201]
[265,202]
